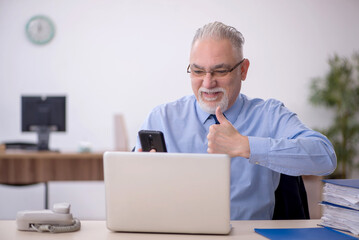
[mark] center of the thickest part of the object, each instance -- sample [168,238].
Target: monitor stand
[43,134]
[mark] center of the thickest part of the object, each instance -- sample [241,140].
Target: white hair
[211,108]
[219,31]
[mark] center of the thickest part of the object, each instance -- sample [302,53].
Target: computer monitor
[43,114]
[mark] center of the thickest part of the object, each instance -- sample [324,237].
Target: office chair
[291,199]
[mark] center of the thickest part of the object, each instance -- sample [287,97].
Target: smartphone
[152,140]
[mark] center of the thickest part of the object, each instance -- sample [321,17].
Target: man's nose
[209,81]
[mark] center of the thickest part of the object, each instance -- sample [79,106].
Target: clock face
[40,30]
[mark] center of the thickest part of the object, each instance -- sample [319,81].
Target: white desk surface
[97,230]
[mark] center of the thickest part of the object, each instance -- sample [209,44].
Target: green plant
[339,91]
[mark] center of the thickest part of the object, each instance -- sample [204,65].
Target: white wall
[20,198]
[125,56]
[87,198]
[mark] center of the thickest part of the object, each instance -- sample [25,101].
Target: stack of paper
[341,204]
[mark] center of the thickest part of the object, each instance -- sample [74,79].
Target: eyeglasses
[220,72]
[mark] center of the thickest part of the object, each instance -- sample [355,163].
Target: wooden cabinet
[34,167]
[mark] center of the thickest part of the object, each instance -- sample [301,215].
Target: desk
[34,167]
[97,230]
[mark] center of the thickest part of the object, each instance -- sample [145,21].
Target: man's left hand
[224,138]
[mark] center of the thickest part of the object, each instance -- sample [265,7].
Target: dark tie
[215,118]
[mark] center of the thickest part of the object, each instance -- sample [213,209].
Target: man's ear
[244,69]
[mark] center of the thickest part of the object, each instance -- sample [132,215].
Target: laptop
[167,192]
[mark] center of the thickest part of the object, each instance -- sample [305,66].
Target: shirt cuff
[259,148]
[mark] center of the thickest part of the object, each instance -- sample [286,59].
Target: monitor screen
[43,115]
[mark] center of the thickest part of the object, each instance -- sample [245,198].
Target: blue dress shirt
[279,143]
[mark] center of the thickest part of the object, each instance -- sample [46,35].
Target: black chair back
[291,199]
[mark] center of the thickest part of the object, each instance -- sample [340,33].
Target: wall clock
[40,29]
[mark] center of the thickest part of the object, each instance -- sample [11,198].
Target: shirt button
[257,163]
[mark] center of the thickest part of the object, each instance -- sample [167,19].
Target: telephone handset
[57,220]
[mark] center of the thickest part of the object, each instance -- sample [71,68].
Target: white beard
[211,108]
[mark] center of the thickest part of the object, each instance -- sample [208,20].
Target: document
[344,192]
[341,204]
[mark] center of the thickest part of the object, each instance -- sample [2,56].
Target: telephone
[57,220]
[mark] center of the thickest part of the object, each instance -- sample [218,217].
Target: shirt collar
[231,114]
